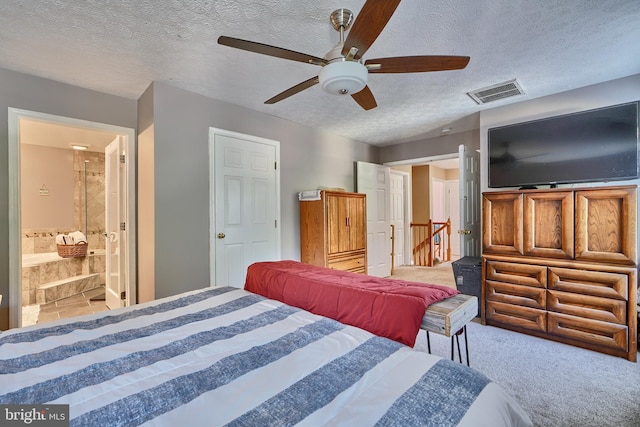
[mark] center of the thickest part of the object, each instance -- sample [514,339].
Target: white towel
[77,237]
[60,239]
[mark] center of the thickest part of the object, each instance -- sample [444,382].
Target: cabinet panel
[593,332]
[519,317]
[597,283]
[502,223]
[588,306]
[521,274]
[516,294]
[312,232]
[548,224]
[606,225]
[357,223]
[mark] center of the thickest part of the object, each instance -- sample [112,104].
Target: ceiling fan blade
[417,64]
[369,23]
[293,90]
[365,98]
[269,50]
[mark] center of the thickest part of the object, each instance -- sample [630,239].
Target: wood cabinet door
[337,230]
[346,223]
[606,225]
[357,223]
[548,224]
[502,223]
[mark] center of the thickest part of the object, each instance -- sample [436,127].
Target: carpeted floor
[440,274]
[558,385]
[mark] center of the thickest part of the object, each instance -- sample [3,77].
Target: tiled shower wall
[43,240]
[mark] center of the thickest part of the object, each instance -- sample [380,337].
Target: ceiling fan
[343,72]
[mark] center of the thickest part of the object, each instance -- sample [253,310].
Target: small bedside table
[449,318]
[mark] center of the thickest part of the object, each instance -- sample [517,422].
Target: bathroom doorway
[57,165]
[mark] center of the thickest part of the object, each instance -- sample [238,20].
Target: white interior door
[438,202]
[398,216]
[469,201]
[246,205]
[373,180]
[115,212]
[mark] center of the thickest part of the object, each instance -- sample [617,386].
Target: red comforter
[385,307]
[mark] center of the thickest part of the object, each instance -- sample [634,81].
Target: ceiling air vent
[496,92]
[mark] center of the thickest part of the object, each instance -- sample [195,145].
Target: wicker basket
[72,251]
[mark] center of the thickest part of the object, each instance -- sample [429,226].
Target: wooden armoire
[333,231]
[562,264]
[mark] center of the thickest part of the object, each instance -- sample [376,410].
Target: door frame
[15,226]
[408,194]
[216,210]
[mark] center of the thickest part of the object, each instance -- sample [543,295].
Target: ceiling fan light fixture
[343,77]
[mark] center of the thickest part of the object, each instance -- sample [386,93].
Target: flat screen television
[590,146]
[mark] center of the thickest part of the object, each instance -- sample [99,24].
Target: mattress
[226,356]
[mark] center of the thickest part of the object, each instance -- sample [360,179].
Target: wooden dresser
[562,264]
[333,231]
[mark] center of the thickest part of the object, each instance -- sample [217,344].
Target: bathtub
[47,277]
[29,260]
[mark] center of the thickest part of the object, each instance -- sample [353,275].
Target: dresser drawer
[588,306]
[519,274]
[509,293]
[517,316]
[585,282]
[592,332]
[351,262]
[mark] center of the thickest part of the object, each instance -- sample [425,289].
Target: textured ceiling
[121,47]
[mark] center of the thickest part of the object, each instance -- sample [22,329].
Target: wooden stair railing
[428,241]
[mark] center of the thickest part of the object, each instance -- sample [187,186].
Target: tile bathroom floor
[75,305]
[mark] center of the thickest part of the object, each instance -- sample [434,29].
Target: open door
[373,180]
[115,212]
[469,202]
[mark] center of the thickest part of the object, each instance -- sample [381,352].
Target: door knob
[464,231]
[221,236]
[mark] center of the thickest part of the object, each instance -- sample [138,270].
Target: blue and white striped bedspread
[224,356]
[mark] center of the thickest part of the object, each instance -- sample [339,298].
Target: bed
[227,356]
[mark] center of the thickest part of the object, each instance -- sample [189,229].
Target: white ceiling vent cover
[496,92]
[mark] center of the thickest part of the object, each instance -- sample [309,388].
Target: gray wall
[32,93]
[604,94]
[430,147]
[181,120]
